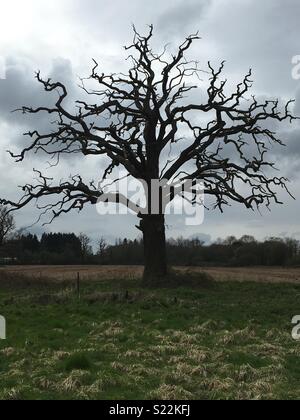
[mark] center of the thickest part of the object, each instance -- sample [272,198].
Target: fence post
[78,285]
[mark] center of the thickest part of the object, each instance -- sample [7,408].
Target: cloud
[297,104]
[20,88]
[182,17]
[60,38]
[262,35]
[204,237]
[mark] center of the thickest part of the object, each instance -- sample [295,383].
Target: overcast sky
[60,37]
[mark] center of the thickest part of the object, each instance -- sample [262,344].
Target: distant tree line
[52,248]
[246,251]
[67,249]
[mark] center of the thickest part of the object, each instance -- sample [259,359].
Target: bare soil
[258,274]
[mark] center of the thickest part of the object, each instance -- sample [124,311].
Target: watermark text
[296,329]
[2,68]
[2,328]
[131,196]
[296,67]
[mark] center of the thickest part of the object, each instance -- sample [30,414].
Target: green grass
[78,361]
[216,341]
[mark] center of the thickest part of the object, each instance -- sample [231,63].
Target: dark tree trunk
[154,233]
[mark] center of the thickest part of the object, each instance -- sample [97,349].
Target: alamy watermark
[131,196]
[2,328]
[296,329]
[296,67]
[2,68]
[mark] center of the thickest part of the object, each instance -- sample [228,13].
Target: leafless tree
[134,119]
[102,246]
[7,224]
[86,248]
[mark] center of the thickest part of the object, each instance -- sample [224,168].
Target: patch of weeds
[77,361]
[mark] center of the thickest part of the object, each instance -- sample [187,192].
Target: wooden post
[78,285]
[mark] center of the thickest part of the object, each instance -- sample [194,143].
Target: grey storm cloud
[183,17]
[62,39]
[292,143]
[297,104]
[262,35]
[16,88]
[20,88]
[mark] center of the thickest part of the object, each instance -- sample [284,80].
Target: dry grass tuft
[170,392]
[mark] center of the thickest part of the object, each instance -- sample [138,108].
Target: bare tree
[86,248]
[102,246]
[7,224]
[135,119]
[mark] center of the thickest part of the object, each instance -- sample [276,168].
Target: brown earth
[260,274]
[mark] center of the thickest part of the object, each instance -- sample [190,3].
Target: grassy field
[215,340]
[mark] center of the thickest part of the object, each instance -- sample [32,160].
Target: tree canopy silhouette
[219,138]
